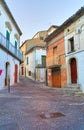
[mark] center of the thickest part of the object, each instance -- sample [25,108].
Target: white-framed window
[71,45]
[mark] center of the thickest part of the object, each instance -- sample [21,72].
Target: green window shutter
[7,35]
[8,39]
[15,44]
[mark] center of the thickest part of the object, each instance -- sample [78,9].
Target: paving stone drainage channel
[51,115]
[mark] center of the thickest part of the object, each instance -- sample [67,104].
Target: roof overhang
[67,23]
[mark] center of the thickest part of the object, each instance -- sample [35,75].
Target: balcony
[40,66]
[9,48]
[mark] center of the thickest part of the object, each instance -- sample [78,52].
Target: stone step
[73,85]
[70,89]
[79,93]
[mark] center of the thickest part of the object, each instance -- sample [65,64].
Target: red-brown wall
[56,58]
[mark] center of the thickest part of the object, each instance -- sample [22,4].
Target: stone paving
[33,106]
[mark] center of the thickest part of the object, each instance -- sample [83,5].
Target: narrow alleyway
[33,106]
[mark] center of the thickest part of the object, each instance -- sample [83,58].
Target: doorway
[73,67]
[56,78]
[16,74]
[7,73]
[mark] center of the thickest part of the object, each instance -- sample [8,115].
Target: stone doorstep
[73,88]
[70,89]
[79,93]
[10,126]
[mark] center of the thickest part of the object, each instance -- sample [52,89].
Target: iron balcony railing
[5,44]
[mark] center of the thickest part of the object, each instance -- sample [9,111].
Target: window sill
[70,52]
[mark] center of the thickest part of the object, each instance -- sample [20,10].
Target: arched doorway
[16,73]
[73,66]
[7,73]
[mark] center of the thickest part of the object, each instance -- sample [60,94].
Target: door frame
[16,74]
[57,71]
[73,65]
[7,73]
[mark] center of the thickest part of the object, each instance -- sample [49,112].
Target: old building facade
[65,52]
[74,44]
[55,59]
[10,55]
[34,53]
[36,62]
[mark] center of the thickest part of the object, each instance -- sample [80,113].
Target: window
[27,60]
[15,44]
[54,55]
[29,73]
[41,38]
[44,61]
[7,35]
[8,39]
[71,45]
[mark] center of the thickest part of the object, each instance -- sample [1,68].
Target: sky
[38,15]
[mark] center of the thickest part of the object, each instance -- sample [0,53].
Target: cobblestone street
[33,106]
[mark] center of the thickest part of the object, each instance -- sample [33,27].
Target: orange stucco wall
[56,58]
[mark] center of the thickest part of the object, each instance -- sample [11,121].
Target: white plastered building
[10,55]
[74,46]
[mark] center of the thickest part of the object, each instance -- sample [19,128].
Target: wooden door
[16,73]
[73,71]
[56,78]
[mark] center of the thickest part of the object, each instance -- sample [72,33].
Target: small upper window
[29,73]
[71,44]
[41,38]
[43,60]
